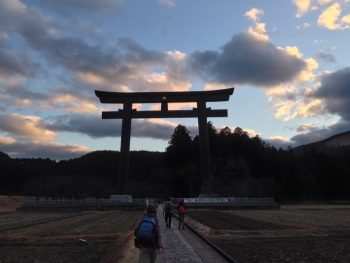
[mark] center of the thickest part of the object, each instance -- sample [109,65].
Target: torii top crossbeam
[154,97]
[200,97]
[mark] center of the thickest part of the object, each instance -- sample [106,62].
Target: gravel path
[183,246]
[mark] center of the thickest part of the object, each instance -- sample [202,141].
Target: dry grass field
[97,236]
[312,233]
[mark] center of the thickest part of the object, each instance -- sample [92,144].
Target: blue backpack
[146,231]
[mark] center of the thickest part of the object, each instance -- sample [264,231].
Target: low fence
[228,202]
[84,204]
[102,204]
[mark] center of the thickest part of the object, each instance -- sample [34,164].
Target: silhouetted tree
[223,144]
[179,150]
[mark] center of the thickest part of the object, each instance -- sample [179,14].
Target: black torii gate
[128,113]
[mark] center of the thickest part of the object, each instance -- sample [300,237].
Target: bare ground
[292,234]
[65,237]
[9,203]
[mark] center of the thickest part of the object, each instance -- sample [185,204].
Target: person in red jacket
[181,209]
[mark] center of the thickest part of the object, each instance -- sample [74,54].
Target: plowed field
[291,234]
[64,237]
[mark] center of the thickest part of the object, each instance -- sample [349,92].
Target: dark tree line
[247,166]
[241,166]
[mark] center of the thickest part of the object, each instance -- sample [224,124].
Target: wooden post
[205,166]
[124,149]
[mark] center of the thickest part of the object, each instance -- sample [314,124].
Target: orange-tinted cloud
[26,126]
[331,18]
[303,6]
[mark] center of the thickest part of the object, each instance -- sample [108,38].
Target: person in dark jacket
[148,236]
[168,212]
[181,209]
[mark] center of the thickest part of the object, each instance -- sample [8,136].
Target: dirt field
[65,237]
[10,203]
[291,234]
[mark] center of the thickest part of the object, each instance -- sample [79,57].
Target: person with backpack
[181,209]
[168,211]
[148,237]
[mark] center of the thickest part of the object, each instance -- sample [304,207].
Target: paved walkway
[183,246]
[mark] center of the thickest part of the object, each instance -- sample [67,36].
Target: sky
[288,61]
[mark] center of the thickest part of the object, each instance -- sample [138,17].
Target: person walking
[181,209]
[148,236]
[168,212]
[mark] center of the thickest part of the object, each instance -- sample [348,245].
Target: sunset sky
[287,59]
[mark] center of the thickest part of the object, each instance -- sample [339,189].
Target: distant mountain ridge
[334,144]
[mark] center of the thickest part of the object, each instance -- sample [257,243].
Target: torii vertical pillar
[205,166]
[125,149]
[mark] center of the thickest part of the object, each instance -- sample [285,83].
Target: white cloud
[311,64]
[252,133]
[331,18]
[302,107]
[258,30]
[168,2]
[68,102]
[216,86]
[306,25]
[254,14]
[294,51]
[295,100]
[324,2]
[302,6]
[346,19]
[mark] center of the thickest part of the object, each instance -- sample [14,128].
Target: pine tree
[179,149]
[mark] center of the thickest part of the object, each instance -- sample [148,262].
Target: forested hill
[241,166]
[339,143]
[93,174]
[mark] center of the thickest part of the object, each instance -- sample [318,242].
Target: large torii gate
[128,113]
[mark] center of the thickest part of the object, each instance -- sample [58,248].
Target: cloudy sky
[287,59]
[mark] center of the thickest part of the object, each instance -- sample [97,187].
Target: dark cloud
[246,59]
[335,91]
[3,39]
[335,94]
[70,52]
[326,57]
[306,128]
[134,52]
[16,64]
[81,5]
[41,150]
[95,127]
[318,134]
[18,91]
[119,65]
